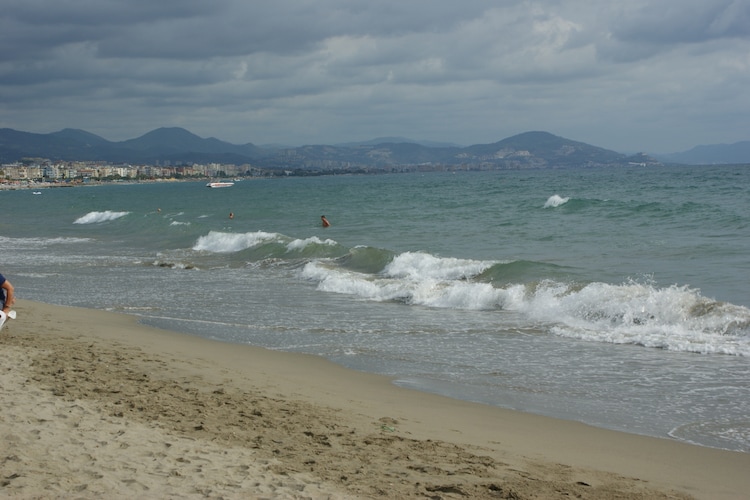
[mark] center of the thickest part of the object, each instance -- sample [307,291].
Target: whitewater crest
[220,242]
[673,318]
[555,201]
[96,217]
[676,318]
[414,278]
[275,244]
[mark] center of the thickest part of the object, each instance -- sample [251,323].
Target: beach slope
[96,405]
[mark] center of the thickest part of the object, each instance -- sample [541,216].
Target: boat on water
[220,184]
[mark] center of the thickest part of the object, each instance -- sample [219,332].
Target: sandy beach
[96,405]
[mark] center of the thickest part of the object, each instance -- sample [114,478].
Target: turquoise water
[616,297]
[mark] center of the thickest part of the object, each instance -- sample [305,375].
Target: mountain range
[179,146]
[739,152]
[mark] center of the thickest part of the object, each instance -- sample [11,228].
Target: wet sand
[96,405]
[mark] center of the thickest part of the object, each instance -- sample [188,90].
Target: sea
[617,297]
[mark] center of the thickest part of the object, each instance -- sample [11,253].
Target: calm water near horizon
[615,297]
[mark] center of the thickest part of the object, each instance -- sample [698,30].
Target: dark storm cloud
[688,21]
[196,29]
[39,27]
[644,30]
[337,70]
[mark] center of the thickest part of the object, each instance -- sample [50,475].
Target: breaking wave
[96,217]
[675,317]
[555,201]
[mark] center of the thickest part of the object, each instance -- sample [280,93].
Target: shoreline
[245,421]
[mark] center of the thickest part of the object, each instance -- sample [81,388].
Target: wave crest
[421,265]
[96,217]
[219,242]
[555,201]
[675,318]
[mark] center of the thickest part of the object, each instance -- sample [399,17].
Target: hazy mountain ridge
[396,140]
[177,145]
[738,152]
[163,144]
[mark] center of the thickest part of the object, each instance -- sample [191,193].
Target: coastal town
[38,173]
[71,157]
[33,173]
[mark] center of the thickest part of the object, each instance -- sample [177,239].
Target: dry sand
[95,405]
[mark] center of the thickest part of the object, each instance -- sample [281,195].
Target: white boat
[220,184]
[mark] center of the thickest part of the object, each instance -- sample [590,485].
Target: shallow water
[615,297]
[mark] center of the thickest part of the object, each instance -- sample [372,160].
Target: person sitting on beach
[324,221]
[8,297]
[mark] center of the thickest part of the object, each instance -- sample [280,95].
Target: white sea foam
[420,265]
[555,201]
[337,281]
[674,318]
[459,295]
[301,244]
[20,243]
[219,242]
[413,278]
[729,434]
[96,217]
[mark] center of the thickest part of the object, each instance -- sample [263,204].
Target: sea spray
[555,201]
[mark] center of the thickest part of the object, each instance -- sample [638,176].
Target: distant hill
[396,140]
[81,136]
[163,144]
[739,152]
[545,149]
[177,145]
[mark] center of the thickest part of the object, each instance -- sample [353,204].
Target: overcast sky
[629,75]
